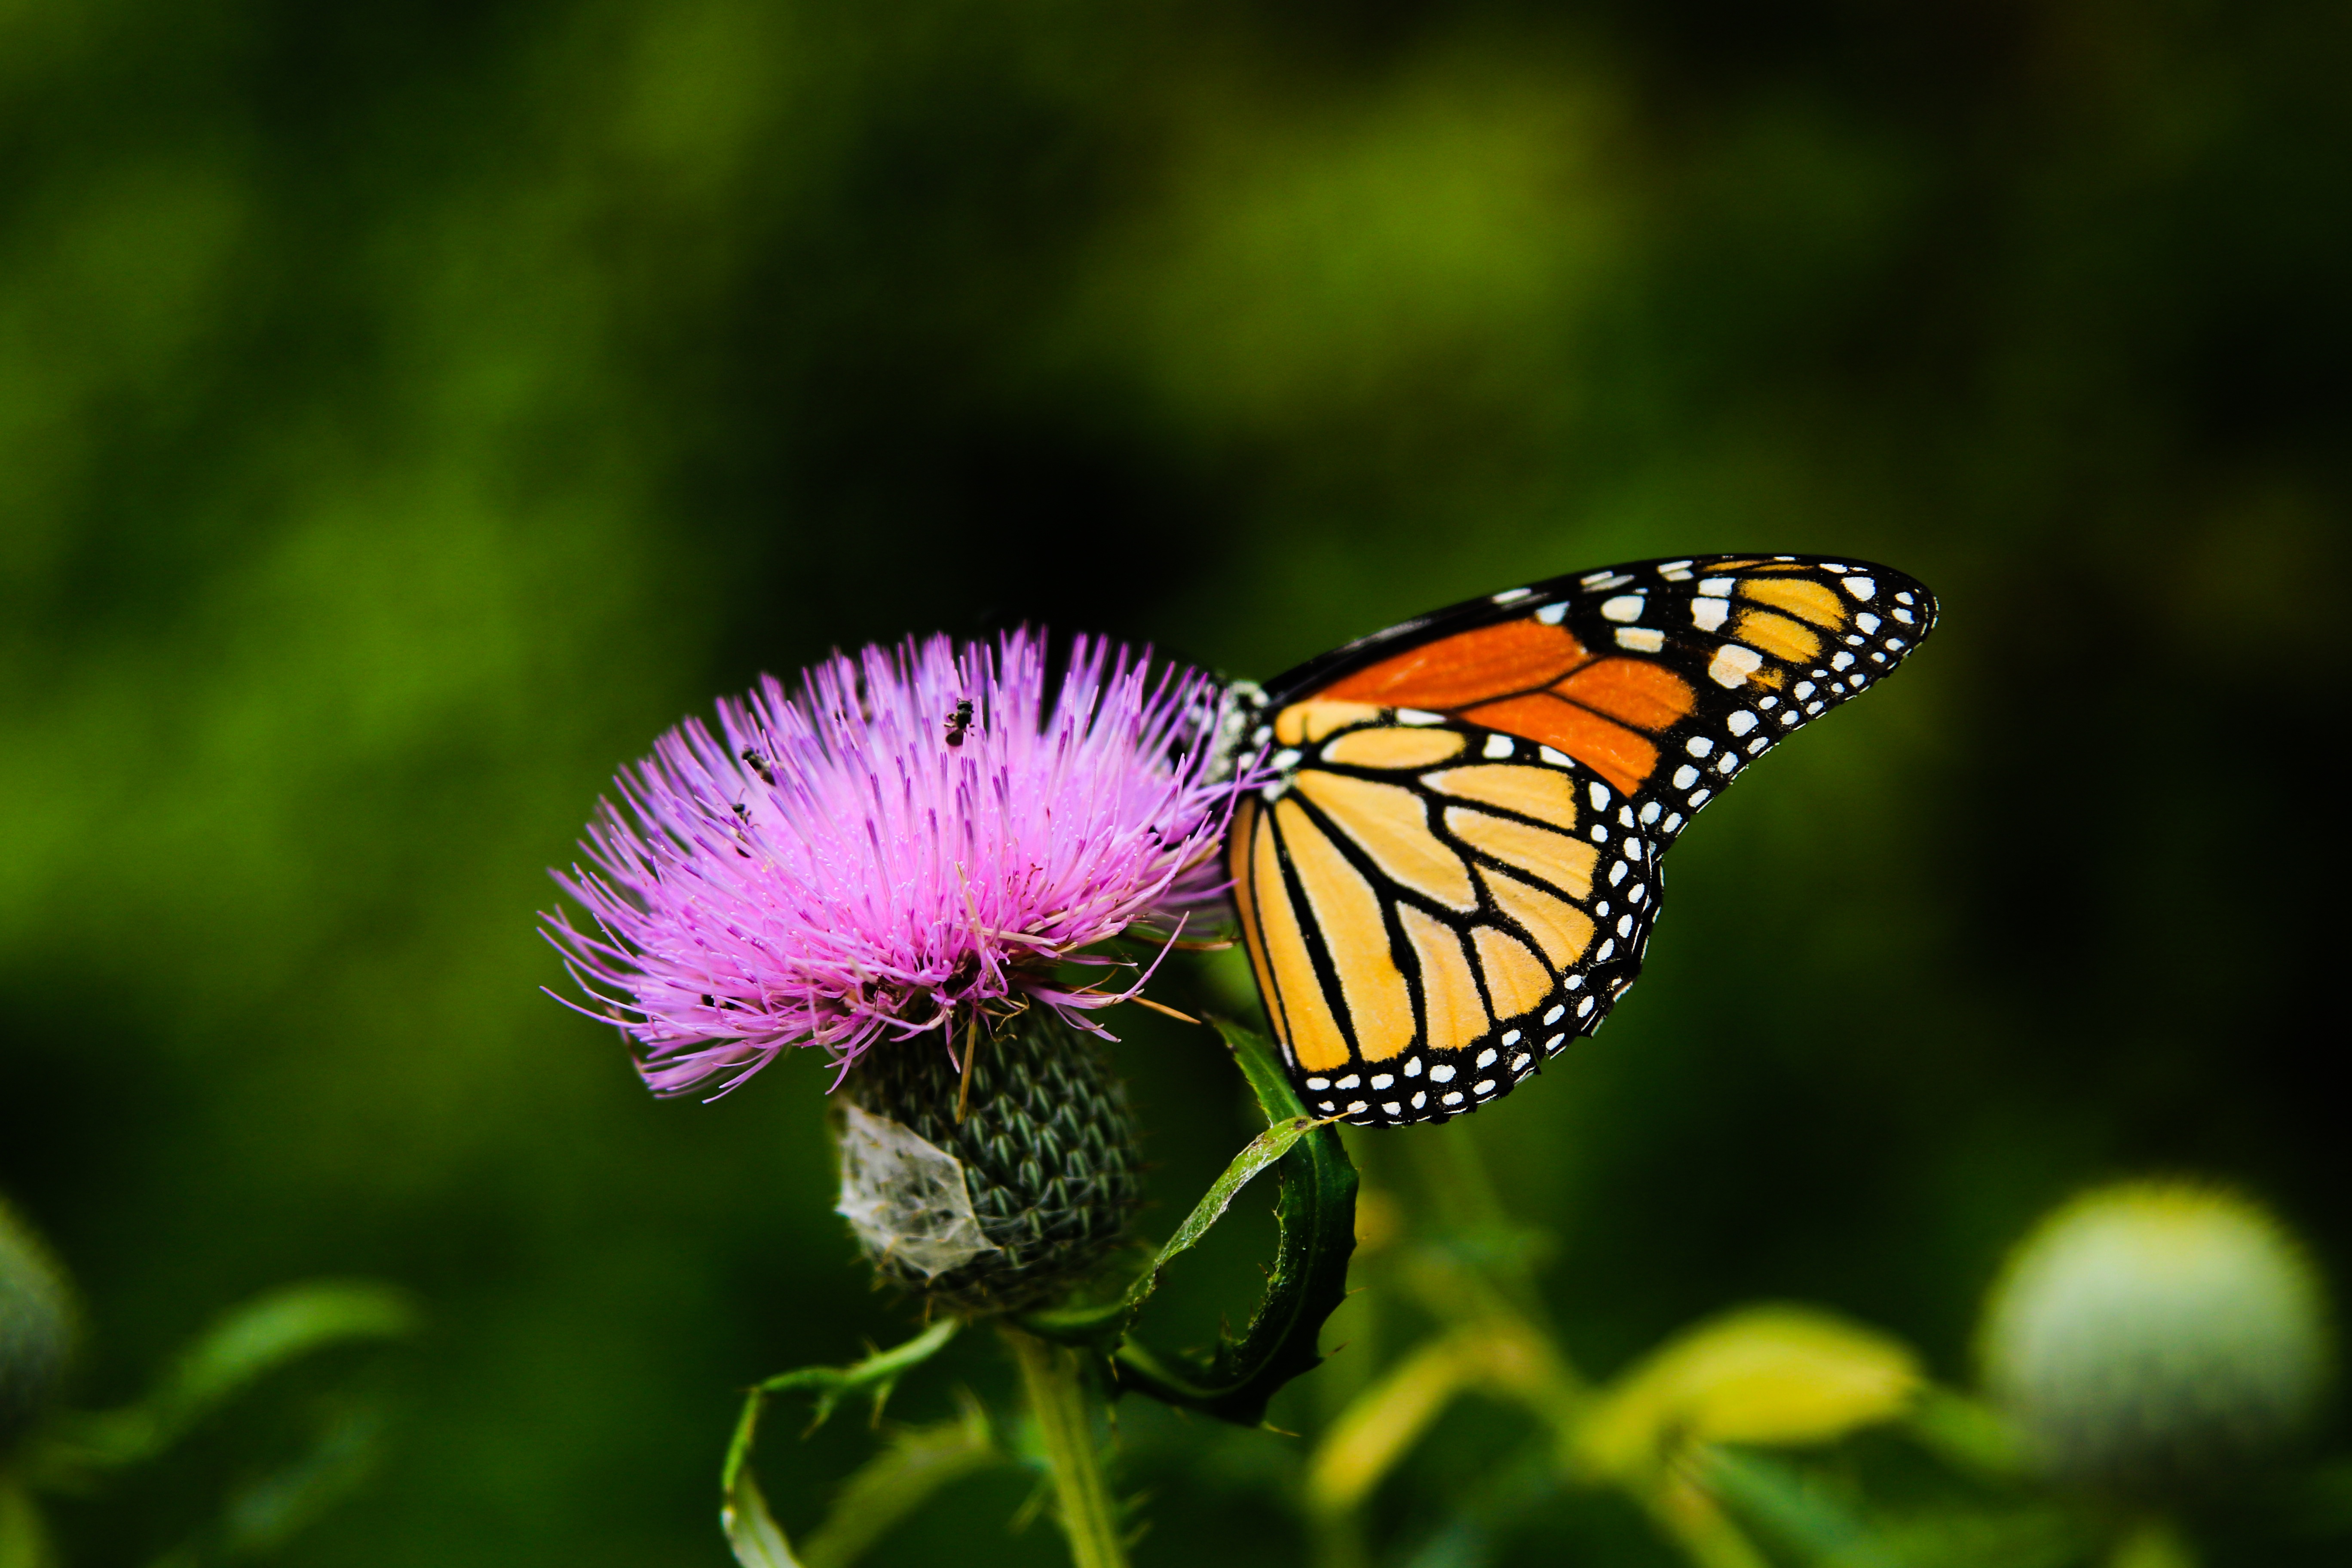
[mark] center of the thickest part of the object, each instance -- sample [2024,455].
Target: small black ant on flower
[960,722]
[759,764]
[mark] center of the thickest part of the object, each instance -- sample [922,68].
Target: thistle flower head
[918,835]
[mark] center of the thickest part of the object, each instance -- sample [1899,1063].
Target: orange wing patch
[1471,666]
[1302,1014]
[1595,710]
[1610,750]
[1566,863]
[1239,841]
[1648,695]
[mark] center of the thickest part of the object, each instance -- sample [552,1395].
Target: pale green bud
[36,1326]
[2151,1335]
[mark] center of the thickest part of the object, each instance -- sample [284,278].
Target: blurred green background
[406,413]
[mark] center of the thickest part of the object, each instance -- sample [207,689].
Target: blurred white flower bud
[2152,1335]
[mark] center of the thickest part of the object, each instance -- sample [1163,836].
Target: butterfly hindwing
[1432,910]
[1452,869]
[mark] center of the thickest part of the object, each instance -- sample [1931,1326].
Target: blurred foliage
[38,1330]
[1952,1482]
[323,1445]
[1764,1374]
[405,415]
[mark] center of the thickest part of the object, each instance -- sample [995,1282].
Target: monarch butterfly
[1452,868]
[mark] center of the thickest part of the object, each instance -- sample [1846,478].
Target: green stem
[23,1542]
[1339,1541]
[1707,1537]
[1051,1377]
[1455,1178]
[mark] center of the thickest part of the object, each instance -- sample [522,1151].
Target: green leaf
[251,1341]
[897,1481]
[1770,1373]
[267,1514]
[752,1530]
[1317,1216]
[261,1517]
[1819,1525]
[1262,1151]
[876,1374]
[1821,1528]
[23,1542]
[2319,1503]
[1103,1326]
[1968,1433]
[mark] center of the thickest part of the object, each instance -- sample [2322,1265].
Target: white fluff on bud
[906,1198]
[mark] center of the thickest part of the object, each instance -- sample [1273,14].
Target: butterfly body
[1450,869]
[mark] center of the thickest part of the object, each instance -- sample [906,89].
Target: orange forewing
[1496,677]
[1610,750]
[1469,667]
[1648,696]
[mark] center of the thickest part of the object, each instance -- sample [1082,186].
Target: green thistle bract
[1046,1152]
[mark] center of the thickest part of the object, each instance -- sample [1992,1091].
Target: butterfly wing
[1453,870]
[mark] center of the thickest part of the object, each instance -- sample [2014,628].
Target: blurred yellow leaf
[1380,1221]
[1381,1423]
[1498,1356]
[1770,1375]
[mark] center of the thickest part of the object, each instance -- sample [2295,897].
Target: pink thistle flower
[914,839]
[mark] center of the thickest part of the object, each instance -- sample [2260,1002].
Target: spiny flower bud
[1007,1205]
[2156,1335]
[35,1328]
